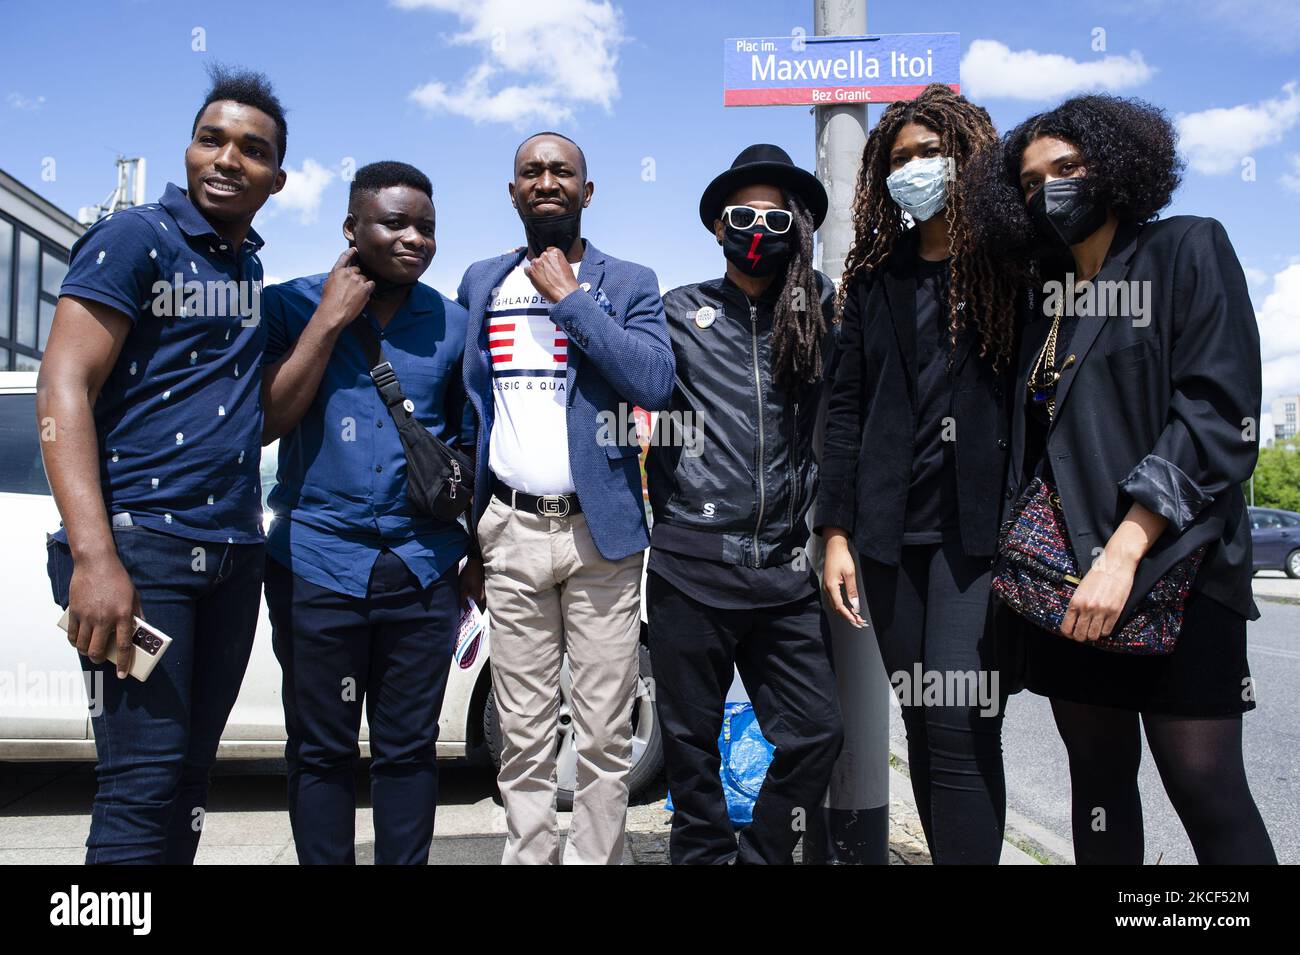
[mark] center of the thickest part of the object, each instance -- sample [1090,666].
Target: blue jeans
[156,741]
[391,649]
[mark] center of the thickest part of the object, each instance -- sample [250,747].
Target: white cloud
[302,191]
[1279,334]
[1216,140]
[28,104]
[1291,180]
[992,70]
[540,61]
[1254,277]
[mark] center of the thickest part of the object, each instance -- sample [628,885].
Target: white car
[43,700]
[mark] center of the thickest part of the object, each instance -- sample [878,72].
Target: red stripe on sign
[501,327]
[498,342]
[561,343]
[498,359]
[826,95]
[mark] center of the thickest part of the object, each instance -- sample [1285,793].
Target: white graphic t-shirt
[529,447]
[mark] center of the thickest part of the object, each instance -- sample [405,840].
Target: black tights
[1200,764]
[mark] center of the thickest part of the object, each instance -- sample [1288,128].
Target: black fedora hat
[768,165]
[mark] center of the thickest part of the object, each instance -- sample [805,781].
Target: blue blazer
[620,355]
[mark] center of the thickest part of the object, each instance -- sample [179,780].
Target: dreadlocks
[979,290]
[797,323]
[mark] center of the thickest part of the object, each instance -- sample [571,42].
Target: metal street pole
[855,826]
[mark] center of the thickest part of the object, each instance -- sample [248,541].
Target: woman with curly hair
[1137,398]
[915,450]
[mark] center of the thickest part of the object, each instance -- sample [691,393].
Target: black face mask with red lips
[756,251]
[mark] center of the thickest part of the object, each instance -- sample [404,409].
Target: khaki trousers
[550,592]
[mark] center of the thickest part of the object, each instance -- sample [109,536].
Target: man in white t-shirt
[563,343]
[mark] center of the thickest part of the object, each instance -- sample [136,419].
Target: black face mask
[560,231]
[1064,212]
[756,251]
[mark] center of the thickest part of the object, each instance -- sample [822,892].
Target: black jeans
[781,653]
[391,648]
[931,615]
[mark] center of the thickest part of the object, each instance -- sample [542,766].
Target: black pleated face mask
[1064,212]
[559,231]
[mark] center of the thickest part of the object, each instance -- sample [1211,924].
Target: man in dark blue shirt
[362,588]
[150,418]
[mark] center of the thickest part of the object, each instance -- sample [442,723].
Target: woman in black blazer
[915,449]
[1141,403]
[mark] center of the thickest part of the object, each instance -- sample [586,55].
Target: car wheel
[647,743]
[1292,567]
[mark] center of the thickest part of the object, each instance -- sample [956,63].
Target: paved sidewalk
[44,817]
[1276,585]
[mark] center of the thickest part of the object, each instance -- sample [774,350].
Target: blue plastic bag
[745,754]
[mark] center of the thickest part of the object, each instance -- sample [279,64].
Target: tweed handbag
[1035,574]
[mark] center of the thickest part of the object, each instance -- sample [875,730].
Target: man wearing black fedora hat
[731,480]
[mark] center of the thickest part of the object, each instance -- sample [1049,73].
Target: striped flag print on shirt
[524,341]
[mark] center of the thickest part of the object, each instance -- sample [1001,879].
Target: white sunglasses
[745,217]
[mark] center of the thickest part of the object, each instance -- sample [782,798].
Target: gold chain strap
[1037,375]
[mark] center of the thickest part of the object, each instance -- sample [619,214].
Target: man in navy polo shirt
[148,405]
[362,589]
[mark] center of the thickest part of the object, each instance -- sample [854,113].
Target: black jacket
[871,420]
[1161,407]
[743,498]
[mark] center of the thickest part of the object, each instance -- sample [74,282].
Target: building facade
[35,236]
[1284,417]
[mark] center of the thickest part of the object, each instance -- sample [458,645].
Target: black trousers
[931,614]
[781,653]
[389,651]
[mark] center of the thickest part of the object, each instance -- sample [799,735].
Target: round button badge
[705,316]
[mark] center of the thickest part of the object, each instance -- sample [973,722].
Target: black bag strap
[381,372]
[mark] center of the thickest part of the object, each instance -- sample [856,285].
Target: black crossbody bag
[439,479]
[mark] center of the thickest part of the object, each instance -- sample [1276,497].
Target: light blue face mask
[921,186]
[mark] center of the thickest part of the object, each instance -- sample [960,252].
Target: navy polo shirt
[179,419]
[340,494]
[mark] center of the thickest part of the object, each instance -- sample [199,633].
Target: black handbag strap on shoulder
[439,479]
[381,372]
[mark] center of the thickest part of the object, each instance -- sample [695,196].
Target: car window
[1288,520]
[1264,521]
[21,468]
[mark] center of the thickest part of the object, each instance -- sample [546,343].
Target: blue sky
[452,87]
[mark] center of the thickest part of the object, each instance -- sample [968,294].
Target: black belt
[547,505]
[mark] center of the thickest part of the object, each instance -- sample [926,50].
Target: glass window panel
[4,359]
[6,275]
[26,362]
[29,257]
[21,468]
[53,269]
[47,318]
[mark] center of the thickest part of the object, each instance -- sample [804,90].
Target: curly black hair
[1129,151]
[249,88]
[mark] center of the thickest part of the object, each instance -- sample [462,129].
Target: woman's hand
[838,570]
[1100,598]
